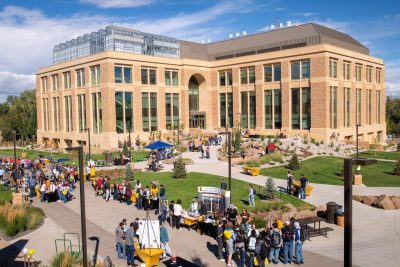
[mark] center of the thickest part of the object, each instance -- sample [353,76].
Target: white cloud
[305,14]
[118,3]
[393,78]
[14,84]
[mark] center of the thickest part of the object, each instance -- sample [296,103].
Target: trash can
[340,219]
[331,209]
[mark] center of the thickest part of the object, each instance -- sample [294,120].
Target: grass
[379,155]
[5,197]
[186,190]
[325,170]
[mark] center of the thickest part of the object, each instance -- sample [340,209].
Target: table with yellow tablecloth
[150,256]
[297,185]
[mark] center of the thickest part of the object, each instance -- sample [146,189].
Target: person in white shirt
[178,213]
[52,187]
[43,189]
[194,207]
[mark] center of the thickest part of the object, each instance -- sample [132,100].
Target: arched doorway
[197,118]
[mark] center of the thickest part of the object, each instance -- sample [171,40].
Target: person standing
[288,240]
[208,152]
[240,248]
[275,244]
[164,240]
[119,240]
[220,241]
[223,185]
[178,214]
[202,151]
[251,196]
[162,192]
[43,189]
[304,183]
[130,248]
[289,183]
[171,214]
[251,247]
[298,243]
[229,236]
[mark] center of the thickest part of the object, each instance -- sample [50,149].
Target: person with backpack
[275,244]
[229,236]
[261,251]
[304,183]
[220,241]
[300,237]
[251,247]
[289,183]
[240,247]
[288,240]
[252,193]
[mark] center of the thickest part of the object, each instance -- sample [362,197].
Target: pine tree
[125,150]
[179,169]
[269,189]
[129,172]
[396,168]
[294,163]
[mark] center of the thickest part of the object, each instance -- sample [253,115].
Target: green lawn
[5,197]
[325,170]
[186,189]
[379,155]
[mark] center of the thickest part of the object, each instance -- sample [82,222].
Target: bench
[312,232]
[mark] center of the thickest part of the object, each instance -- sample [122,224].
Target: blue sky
[30,28]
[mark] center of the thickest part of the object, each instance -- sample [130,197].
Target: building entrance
[197,120]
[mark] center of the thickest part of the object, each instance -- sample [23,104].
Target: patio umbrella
[62,160]
[159,145]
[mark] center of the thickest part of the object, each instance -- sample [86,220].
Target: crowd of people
[204,142]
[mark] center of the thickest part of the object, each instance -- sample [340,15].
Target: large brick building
[305,79]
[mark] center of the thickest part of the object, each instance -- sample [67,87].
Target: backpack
[108,262]
[303,235]
[287,235]
[254,192]
[263,250]
[275,238]
[252,243]
[227,234]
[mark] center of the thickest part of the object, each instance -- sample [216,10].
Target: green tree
[125,150]
[269,189]
[393,115]
[294,163]
[236,138]
[396,168]
[129,172]
[179,169]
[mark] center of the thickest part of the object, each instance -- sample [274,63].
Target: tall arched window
[193,94]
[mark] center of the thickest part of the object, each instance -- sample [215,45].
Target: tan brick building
[308,80]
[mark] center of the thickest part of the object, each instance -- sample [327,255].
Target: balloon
[24,251]
[31,251]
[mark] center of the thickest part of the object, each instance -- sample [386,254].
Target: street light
[348,205]
[88,132]
[129,126]
[228,133]
[82,197]
[16,176]
[357,125]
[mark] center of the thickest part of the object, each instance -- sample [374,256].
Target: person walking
[202,151]
[275,244]
[220,241]
[289,183]
[178,214]
[119,240]
[288,240]
[208,152]
[298,243]
[130,248]
[303,187]
[251,196]
[251,247]
[164,240]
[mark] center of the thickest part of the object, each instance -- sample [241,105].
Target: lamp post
[129,126]
[82,198]
[357,125]
[15,162]
[88,132]
[348,205]
[228,133]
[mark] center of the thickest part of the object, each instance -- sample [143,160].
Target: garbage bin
[331,209]
[340,219]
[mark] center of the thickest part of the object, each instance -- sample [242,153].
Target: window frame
[248,79]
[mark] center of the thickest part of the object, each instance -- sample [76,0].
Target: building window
[82,112]
[268,109]
[171,78]
[378,106]
[148,75]
[248,109]
[68,113]
[272,73]
[56,114]
[225,77]
[67,80]
[300,69]
[346,107]
[123,74]
[358,95]
[45,114]
[301,108]
[149,112]
[124,111]
[193,95]
[369,105]
[378,75]
[226,110]
[346,70]
[369,74]
[277,108]
[80,77]
[247,75]
[333,68]
[97,113]
[333,107]
[95,75]
[54,82]
[358,73]
[172,110]
[44,84]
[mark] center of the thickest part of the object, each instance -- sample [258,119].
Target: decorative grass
[17,218]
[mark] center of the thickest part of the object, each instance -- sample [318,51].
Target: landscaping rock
[384,202]
[304,214]
[369,200]
[289,207]
[320,208]
[396,202]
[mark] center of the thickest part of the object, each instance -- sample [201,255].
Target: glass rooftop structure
[116,39]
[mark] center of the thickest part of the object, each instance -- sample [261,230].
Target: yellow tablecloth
[297,184]
[150,256]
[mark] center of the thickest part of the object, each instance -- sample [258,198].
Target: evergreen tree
[125,150]
[179,169]
[129,172]
[396,168]
[294,163]
[269,189]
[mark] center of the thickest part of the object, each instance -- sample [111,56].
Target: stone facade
[207,75]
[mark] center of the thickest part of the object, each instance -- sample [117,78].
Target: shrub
[337,149]
[129,172]
[294,163]
[15,219]
[179,169]
[66,259]
[313,141]
[396,168]
[317,144]
[269,189]
[36,216]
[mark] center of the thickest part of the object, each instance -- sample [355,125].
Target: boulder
[396,202]
[304,214]
[289,207]
[320,208]
[384,202]
[369,200]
